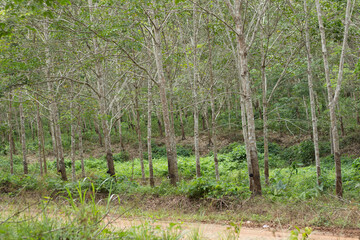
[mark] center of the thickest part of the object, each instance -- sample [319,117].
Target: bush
[356,164]
[238,154]
[122,156]
[306,152]
[160,151]
[229,148]
[274,148]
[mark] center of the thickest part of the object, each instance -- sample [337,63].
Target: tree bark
[264,113]
[312,95]
[149,102]
[11,150]
[212,104]
[72,136]
[195,97]
[138,130]
[81,148]
[183,137]
[23,137]
[169,129]
[333,98]
[244,78]
[40,138]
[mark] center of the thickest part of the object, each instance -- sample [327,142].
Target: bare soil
[220,231]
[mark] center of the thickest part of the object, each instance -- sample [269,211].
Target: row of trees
[91,64]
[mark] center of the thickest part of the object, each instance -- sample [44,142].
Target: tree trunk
[149,102]
[264,113]
[11,150]
[138,130]
[195,97]
[72,136]
[160,126]
[244,78]
[333,99]
[169,129]
[59,146]
[98,131]
[312,95]
[23,137]
[183,137]
[81,149]
[212,104]
[121,143]
[40,138]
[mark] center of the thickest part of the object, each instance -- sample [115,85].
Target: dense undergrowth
[289,179]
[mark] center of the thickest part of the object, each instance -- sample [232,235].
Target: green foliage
[122,156]
[305,233]
[356,164]
[160,151]
[204,187]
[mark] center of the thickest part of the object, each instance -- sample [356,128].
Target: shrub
[306,152]
[238,154]
[229,148]
[122,156]
[356,164]
[274,148]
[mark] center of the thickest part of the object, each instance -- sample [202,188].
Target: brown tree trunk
[72,136]
[98,131]
[212,104]
[264,113]
[149,102]
[195,96]
[59,146]
[244,78]
[11,150]
[169,129]
[312,95]
[183,137]
[23,137]
[333,99]
[81,149]
[138,130]
[40,138]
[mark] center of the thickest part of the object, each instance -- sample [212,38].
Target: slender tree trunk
[333,99]
[212,104]
[40,138]
[244,78]
[183,137]
[81,148]
[101,82]
[23,137]
[169,129]
[121,143]
[160,125]
[149,102]
[59,146]
[138,130]
[195,97]
[207,124]
[98,131]
[312,95]
[72,136]
[11,150]
[50,89]
[264,113]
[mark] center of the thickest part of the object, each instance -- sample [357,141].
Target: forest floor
[189,217]
[213,231]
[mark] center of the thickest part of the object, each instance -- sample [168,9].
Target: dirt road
[218,231]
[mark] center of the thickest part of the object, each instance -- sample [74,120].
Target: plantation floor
[192,216]
[222,231]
